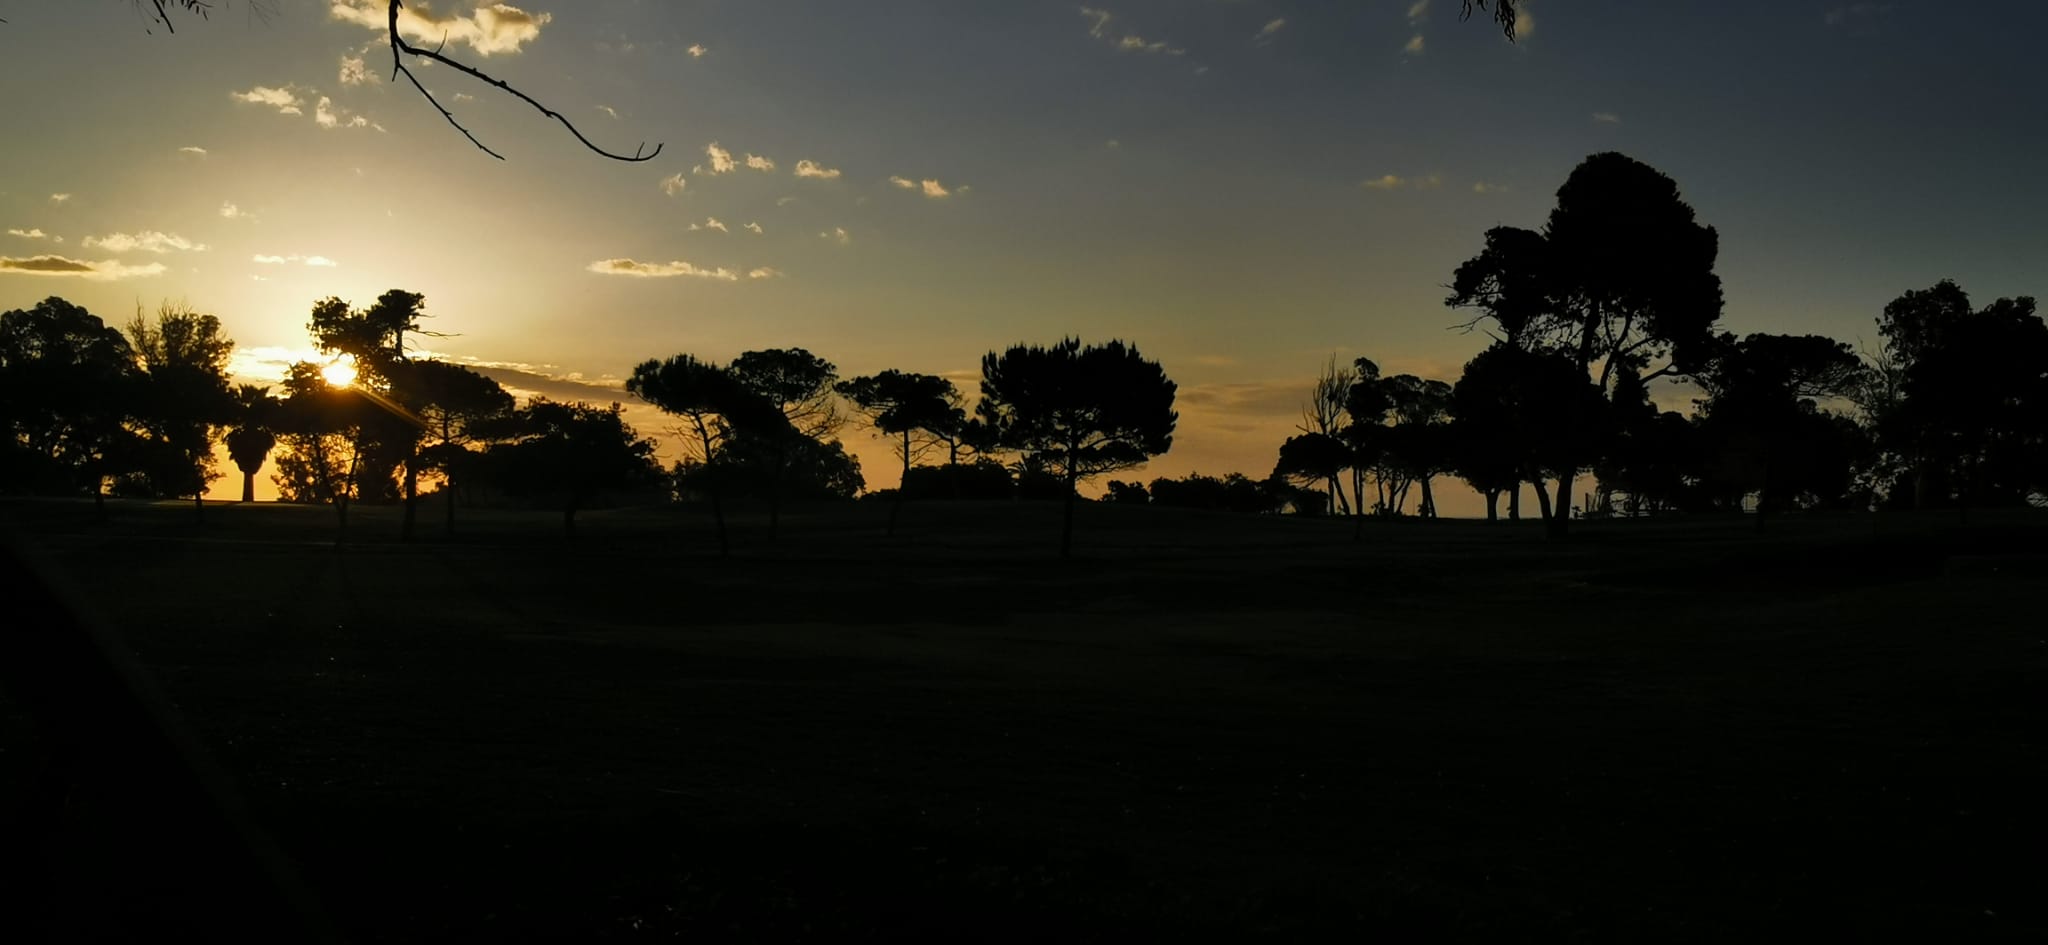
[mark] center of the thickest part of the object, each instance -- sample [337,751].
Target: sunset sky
[1240,187]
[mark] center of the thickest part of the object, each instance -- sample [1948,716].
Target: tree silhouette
[1324,414]
[1762,397]
[457,407]
[252,435]
[1313,459]
[565,454]
[1078,411]
[1624,277]
[903,406]
[329,433]
[375,339]
[68,388]
[184,393]
[799,384]
[716,409]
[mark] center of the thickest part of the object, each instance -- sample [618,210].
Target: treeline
[1618,290]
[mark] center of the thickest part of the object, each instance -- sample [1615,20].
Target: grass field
[1205,727]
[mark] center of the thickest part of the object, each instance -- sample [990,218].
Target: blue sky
[1240,187]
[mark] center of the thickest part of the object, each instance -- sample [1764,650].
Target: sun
[341,372]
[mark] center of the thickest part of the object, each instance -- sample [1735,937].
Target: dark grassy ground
[1206,726]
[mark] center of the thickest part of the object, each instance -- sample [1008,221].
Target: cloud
[320,261]
[1415,45]
[838,235]
[1113,144]
[1607,118]
[1418,12]
[196,152]
[809,168]
[784,201]
[1098,22]
[674,184]
[34,233]
[1483,187]
[149,241]
[286,100]
[464,97]
[764,272]
[59,198]
[656,270]
[102,271]
[696,50]
[354,71]
[325,115]
[755,227]
[1393,182]
[721,159]
[710,223]
[930,188]
[489,28]
[1140,44]
[760,163]
[231,212]
[1272,26]
[607,109]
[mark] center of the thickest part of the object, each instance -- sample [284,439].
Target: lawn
[1203,726]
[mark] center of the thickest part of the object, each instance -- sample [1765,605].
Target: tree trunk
[1561,508]
[199,504]
[1515,502]
[1067,527]
[1428,499]
[248,486]
[1543,502]
[412,494]
[1493,505]
[896,507]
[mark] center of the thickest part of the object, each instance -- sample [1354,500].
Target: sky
[1242,188]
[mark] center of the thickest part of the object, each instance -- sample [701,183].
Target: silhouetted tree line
[1618,289]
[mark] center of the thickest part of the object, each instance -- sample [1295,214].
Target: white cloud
[320,261]
[354,71]
[149,241]
[674,184]
[1272,26]
[1483,187]
[710,223]
[1415,45]
[1397,182]
[464,97]
[106,270]
[1140,44]
[33,233]
[721,159]
[195,152]
[607,109]
[658,270]
[696,50]
[1607,118]
[59,198]
[760,163]
[1098,22]
[930,188]
[809,168]
[1418,12]
[764,272]
[231,212]
[755,227]
[326,116]
[784,201]
[838,235]
[489,29]
[286,100]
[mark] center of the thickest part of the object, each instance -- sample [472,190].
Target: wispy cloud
[607,109]
[1272,27]
[809,168]
[1415,45]
[1482,187]
[710,223]
[317,261]
[229,211]
[60,198]
[34,233]
[764,272]
[1098,22]
[1397,182]
[929,187]
[755,228]
[696,50]
[759,163]
[149,241]
[838,235]
[328,115]
[106,270]
[194,151]
[354,70]
[660,270]
[1606,118]
[1131,43]
[286,100]
[721,159]
[1098,28]
[674,184]
[489,29]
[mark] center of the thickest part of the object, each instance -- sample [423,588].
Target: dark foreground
[1203,727]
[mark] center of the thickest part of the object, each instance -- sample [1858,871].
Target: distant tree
[1311,459]
[374,340]
[1080,411]
[1323,414]
[68,390]
[252,433]
[1128,493]
[457,408]
[183,360]
[327,433]
[566,454]
[919,412]
[1624,277]
[716,410]
[1416,442]
[1763,393]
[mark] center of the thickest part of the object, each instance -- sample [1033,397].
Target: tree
[1080,411]
[716,409]
[1416,443]
[566,454]
[799,384]
[183,360]
[1623,277]
[374,341]
[920,411]
[68,389]
[1311,459]
[1324,414]
[328,432]
[1762,396]
[252,434]
[457,408]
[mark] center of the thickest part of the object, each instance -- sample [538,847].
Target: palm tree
[251,438]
